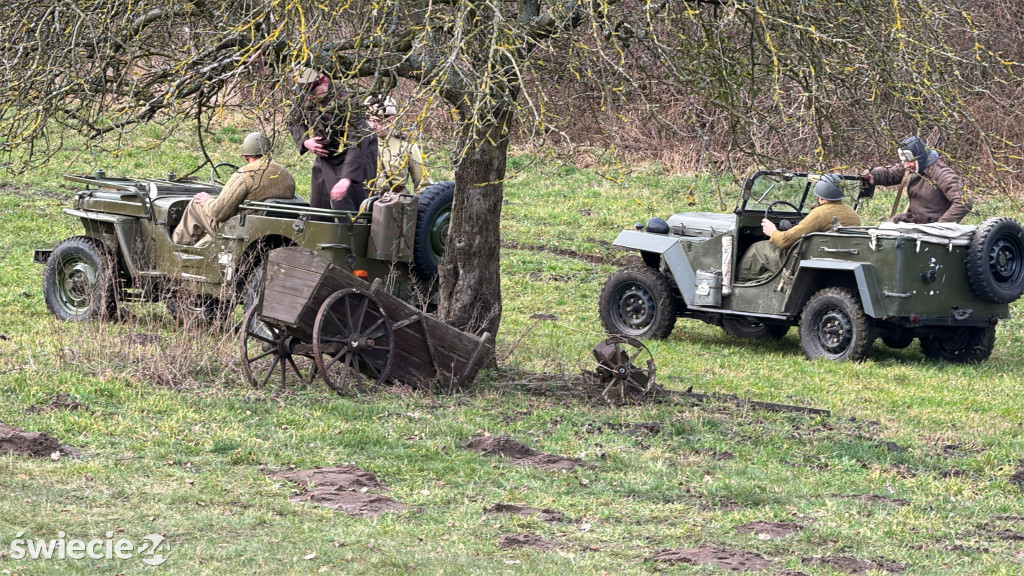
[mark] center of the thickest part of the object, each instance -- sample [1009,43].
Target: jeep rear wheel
[637,301]
[834,326]
[79,281]
[960,345]
[995,260]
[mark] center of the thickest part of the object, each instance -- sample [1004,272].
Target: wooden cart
[312,318]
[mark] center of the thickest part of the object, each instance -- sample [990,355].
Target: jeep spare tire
[431,238]
[995,261]
[637,301]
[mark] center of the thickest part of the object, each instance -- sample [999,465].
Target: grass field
[912,473]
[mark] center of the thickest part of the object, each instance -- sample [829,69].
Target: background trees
[812,84]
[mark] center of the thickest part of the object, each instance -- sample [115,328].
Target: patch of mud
[38,444]
[505,445]
[343,488]
[527,540]
[874,499]
[1011,535]
[767,530]
[1018,475]
[892,447]
[620,260]
[61,401]
[544,515]
[855,565]
[953,473]
[732,560]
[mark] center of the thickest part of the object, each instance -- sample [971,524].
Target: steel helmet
[255,144]
[828,188]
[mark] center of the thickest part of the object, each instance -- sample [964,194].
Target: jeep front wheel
[834,326]
[960,345]
[79,281]
[637,301]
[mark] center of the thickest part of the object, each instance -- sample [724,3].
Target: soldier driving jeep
[260,179]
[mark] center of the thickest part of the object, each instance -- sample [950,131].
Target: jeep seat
[701,224]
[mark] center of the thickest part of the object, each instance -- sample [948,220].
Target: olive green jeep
[947,285]
[126,252]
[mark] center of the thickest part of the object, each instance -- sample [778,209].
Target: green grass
[175,442]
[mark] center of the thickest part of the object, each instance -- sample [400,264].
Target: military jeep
[947,285]
[126,252]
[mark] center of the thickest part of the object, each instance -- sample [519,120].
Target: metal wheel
[267,351]
[352,341]
[625,370]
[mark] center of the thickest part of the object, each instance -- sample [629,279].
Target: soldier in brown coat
[260,179]
[934,190]
[327,123]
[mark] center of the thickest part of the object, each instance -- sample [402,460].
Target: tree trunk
[470,291]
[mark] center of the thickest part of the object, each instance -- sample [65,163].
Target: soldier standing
[934,190]
[327,123]
[399,157]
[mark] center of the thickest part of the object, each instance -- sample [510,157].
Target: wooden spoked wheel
[267,350]
[352,341]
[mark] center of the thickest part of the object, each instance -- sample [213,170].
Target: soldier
[764,258]
[399,157]
[260,179]
[934,190]
[327,123]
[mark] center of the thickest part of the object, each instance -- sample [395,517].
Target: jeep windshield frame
[767,186]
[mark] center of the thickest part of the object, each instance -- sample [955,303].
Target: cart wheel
[352,340]
[625,370]
[267,350]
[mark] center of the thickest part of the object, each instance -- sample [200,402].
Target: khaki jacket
[400,159]
[934,196]
[819,219]
[261,179]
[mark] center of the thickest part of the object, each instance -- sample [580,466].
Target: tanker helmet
[913,149]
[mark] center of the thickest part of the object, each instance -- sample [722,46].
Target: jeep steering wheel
[784,223]
[213,171]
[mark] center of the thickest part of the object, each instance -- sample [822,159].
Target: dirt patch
[618,260]
[1018,475]
[527,540]
[344,488]
[767,530]
[854,565]
[732,560]
[891,447]
[544,515]
[39,444]
[875,499]
[61,401]
[1011,535]
[505,445]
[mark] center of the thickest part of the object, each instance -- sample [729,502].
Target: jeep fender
[126,230]
[671,250]
[863,274]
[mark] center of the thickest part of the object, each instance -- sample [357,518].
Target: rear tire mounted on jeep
[431,238]
[79,281]
[995,260]
[834,326]
[637,301]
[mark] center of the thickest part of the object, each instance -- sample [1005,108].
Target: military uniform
[400,159]
[935,195]
[764,258]
[261,179]
[351,144]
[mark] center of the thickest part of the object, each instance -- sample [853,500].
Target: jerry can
[393,227]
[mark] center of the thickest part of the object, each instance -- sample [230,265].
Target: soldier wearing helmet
[329,124]
[935,192]
[399,157]
[766,257]
[260,179]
